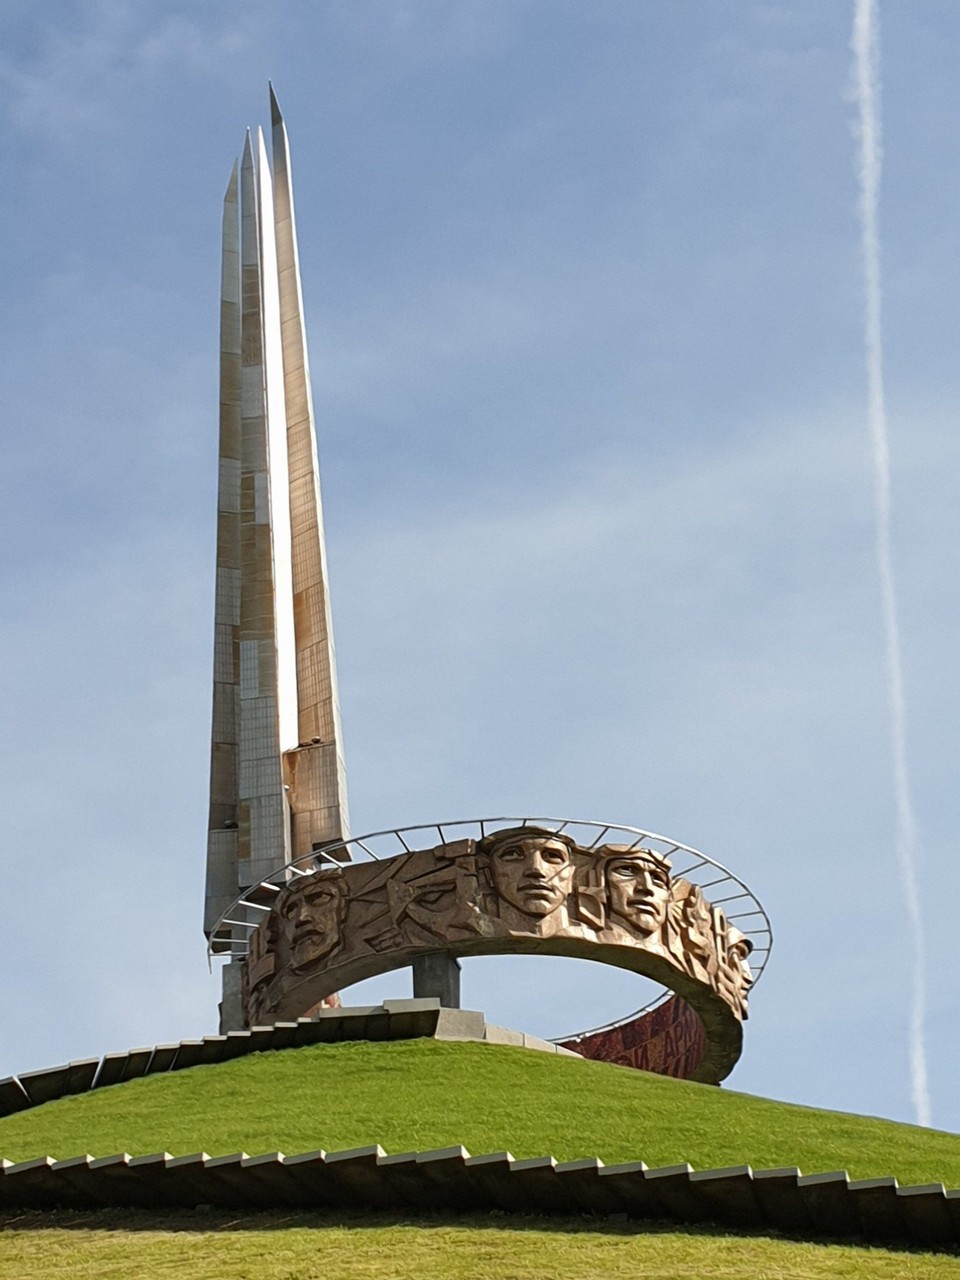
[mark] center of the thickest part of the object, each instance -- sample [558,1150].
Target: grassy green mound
[422,1094]
[117,1246]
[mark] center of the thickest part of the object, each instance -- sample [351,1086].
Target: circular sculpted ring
[614,894]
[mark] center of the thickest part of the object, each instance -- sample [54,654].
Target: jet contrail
[866,54]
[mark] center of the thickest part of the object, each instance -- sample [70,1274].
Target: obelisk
[277,783]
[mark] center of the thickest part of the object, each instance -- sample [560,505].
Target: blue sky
[585,311]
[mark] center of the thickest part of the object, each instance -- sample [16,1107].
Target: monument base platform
[393,1020]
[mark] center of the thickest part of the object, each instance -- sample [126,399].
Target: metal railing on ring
[245,913]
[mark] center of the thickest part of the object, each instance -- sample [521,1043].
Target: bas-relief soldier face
[438,903]
[639,891]
[532,874]
[431,904]
[738,952]
[310,920]
[695,917]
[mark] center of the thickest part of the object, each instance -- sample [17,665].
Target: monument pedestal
[437,976]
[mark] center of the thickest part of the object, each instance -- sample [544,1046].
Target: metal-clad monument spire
[222,840]
[315,771]
[277,783]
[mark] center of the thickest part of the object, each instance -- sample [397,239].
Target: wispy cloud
[866,50]
[73,86]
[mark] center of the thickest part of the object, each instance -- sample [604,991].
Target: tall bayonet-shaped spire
[314,771]
[263,827]
[277,788]
[224,796]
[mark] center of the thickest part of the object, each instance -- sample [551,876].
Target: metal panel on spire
[224,797]
[314,771]
[264,826]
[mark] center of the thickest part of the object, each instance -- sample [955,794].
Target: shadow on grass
[204,1221]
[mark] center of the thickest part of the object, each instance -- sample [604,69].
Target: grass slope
[381,1247]
[421,1094]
